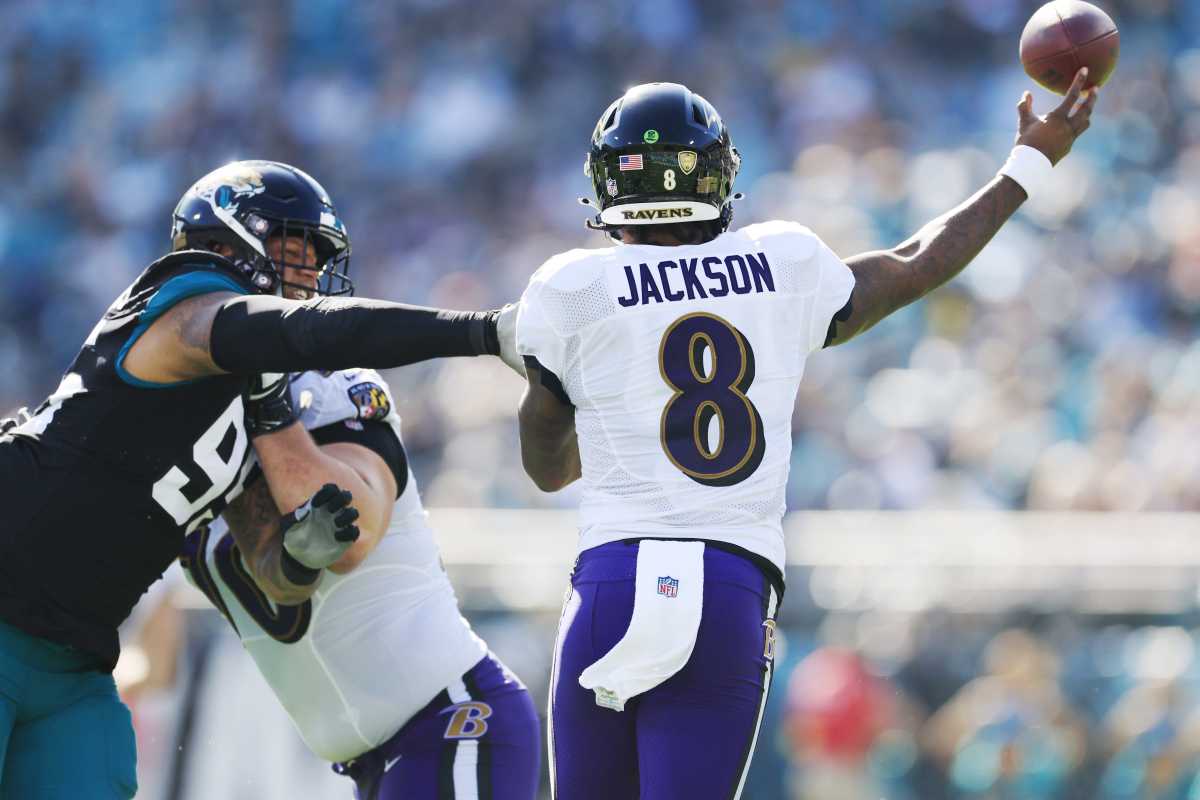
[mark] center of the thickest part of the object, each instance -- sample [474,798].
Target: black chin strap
[594,223]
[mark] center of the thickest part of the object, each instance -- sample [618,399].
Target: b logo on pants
[769,640]
[468,720]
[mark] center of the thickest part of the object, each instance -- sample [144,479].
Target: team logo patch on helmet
[687,161]
[228,186]
[371,400]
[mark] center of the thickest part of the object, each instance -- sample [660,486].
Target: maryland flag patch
[371,400]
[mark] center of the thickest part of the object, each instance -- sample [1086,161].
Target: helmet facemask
[332,265]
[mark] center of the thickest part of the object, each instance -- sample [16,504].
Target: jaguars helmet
[661,154]
[245,203]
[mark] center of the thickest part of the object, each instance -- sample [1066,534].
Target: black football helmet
[661,154]
[245,203]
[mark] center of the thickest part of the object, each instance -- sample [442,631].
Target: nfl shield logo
[668,586]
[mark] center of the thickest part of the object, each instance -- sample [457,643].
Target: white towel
[667,603]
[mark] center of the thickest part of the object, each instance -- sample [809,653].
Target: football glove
[268,402]
[317,534]
[18,419]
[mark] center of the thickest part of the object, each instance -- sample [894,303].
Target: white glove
[506,332]
[317,534]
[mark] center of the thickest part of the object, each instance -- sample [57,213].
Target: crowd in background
[880,705]
[1060,371]
[1028,707]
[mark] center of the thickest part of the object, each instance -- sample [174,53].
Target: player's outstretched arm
[222,332]
[259,531]
[887,280]
[549,447]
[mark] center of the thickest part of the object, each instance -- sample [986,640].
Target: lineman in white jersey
[375,665]
[663,372]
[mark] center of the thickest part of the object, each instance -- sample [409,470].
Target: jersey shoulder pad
[573,269]
[189,272]
[352,396]
[798,238]
[540,325]
[198,261]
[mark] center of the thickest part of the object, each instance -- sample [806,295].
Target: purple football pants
[691,736]
[477,740]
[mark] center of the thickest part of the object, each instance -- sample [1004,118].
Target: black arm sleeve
[258,333]
[378,437]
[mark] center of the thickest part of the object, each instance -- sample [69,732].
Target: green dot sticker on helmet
[650,136]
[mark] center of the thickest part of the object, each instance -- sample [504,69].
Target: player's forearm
[549,446]
[296,467]
[891,279]
[267,568]
[551,467]
[253,334]
[550,456]
[253,519]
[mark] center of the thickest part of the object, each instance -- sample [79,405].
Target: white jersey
[372,647]
[683,365]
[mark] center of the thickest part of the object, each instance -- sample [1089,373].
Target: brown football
[1064,36]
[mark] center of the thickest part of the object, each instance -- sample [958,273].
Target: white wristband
[1029,167]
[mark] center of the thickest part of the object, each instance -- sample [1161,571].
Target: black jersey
[100,486]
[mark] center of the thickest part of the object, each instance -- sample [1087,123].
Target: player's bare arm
[887,280]
[549,447]
[176,347]
[296,467]
[253,520]
[301,469]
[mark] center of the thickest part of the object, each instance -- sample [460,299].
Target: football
[1065,35]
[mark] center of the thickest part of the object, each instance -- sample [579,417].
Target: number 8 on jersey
[701,395]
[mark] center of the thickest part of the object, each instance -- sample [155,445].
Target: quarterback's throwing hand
[1054,133]
[317,534]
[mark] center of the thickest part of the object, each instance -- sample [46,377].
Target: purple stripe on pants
[692,735]
[483,745]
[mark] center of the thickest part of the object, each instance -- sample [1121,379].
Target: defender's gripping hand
[268,403]
[15,421]
[317,534]
[506,332]
[1053,134]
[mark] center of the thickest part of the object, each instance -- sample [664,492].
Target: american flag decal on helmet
[626,163]
[668,586]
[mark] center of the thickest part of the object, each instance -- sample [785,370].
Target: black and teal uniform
[99,489]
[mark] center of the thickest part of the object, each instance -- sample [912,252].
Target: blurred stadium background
[957,624]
